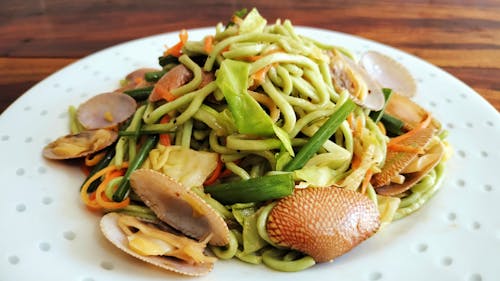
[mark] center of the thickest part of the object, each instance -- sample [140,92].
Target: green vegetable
[253,190]
[103,163]
[323,134]
[164,60]
[377,115]
[154,75]
[277,259]
[124,185]
[139,93]
[392,124]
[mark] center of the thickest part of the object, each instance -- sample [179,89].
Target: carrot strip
[356,161]
[216,173]
[176,50]
[208,44]
[366,180]
[92,160]
[260,75]
[404,148]
[165,138]
[101,197]
[381,126]
[410,133]
[91,203]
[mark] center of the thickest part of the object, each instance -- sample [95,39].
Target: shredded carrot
[216,173]
[176,50]
[93,159]
[90,200]
[165,138]
[356,161]
[260,75]
[208,44]
[85,169]
[139,80]
[258,57]
[350,120]
[381,126]
[359,127]
[366,181]
[412,132]
[101,197]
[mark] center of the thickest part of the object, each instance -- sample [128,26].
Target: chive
[320,137]
[253,190]
[139,93]
[392,124]
[124,185]
[139,132]
[154,75]
[164,60]
[103,163]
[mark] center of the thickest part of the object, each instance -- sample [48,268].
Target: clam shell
[112,232]
[413,178]
[174,78]
[396,161]
[408,111]
[389,73]
[79,145]
[179,207]
[323,222]
[105,110]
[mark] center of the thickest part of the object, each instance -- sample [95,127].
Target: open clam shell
[105,110]
[323,222]
[389,73]
[179,207]
[80,144]
[437,152]
[111,230]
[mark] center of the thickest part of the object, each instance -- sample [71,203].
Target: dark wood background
[40,37]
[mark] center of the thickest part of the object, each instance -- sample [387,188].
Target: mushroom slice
[432,157]
[408,111]
[80,144]
[173,79]
[106,110]
[396,161]
[323,222]
[349,76]
[179,207]
[389,73]
[163,249]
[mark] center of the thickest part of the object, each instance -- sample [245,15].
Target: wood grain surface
[40,37]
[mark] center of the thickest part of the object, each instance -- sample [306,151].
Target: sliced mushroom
[106,110]
[323,222]
[173,79]
[389,73]
[432,158]
[396,161]
[179,207]
[165,250]
[79,145]
[348,75]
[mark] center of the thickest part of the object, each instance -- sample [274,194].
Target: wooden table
[40,37]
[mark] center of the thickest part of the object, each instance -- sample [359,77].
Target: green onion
[154,75]
[139,93]
[253,190]
[392,124]
[377,115]
[321,136]
[164,60]
[124,185]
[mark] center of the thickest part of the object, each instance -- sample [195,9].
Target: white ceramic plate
[46,233]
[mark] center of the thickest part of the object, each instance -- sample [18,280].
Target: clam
[151,244]
[179,207]
[408,111]
[323,222]
[389,73]
[174,78]
[105,110]
[348,75]
[423,165]
[135,79]
[396,161]
[80,144]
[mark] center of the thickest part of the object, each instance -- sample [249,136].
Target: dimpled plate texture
[47,234]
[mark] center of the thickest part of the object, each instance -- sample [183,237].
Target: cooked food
[254,143]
